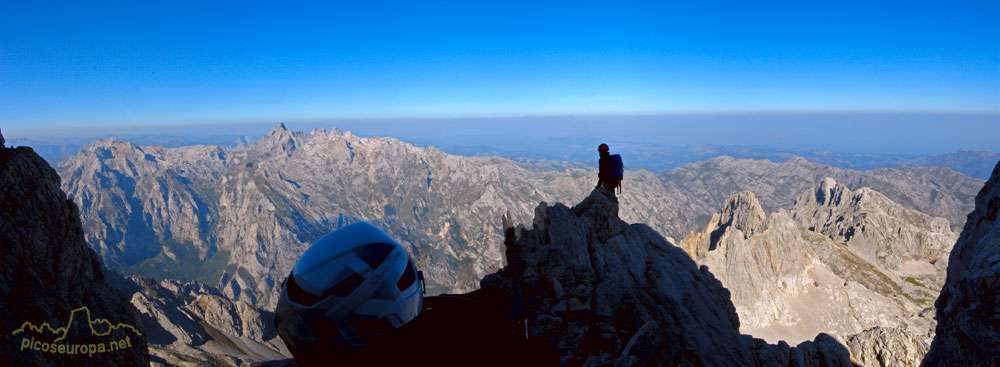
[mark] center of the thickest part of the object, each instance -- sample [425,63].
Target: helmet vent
[345,286]
[298,295]
[374,254]
[408,277]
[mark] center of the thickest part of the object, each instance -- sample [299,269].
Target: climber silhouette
[610,169]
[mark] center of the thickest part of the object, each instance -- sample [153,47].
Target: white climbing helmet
[350,286]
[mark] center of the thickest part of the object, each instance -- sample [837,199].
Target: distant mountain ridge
[661,157]
[656,157]
[240,216]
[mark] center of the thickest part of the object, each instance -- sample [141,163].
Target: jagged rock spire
[742,211]
[830,193]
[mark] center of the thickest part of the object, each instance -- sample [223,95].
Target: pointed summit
[742,211]
[1,139]
[280,138]
[830,192]
[279,130]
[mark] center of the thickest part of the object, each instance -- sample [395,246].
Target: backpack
[617,170]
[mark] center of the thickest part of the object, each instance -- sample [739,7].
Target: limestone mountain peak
[742,211]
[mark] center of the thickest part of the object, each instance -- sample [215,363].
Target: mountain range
[239,217]
[656,157]
[232,220]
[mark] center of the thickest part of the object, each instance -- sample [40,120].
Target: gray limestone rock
[886,347]
[936,191]
[876,228]
[193,324]
[792,275]
[742,212]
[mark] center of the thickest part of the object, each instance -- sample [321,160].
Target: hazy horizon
[876,133]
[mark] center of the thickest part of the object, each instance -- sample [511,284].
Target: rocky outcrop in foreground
[612,293]
[968,309]
[57,308]
[888,347]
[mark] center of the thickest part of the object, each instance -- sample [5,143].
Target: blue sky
[146,63]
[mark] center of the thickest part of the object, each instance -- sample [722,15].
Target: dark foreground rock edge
[47,271]
[968,308]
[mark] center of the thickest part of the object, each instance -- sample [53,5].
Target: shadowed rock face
[609,292]
[968,309]
[47,271]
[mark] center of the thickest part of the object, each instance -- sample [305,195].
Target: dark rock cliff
[57,308]
[968,309]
